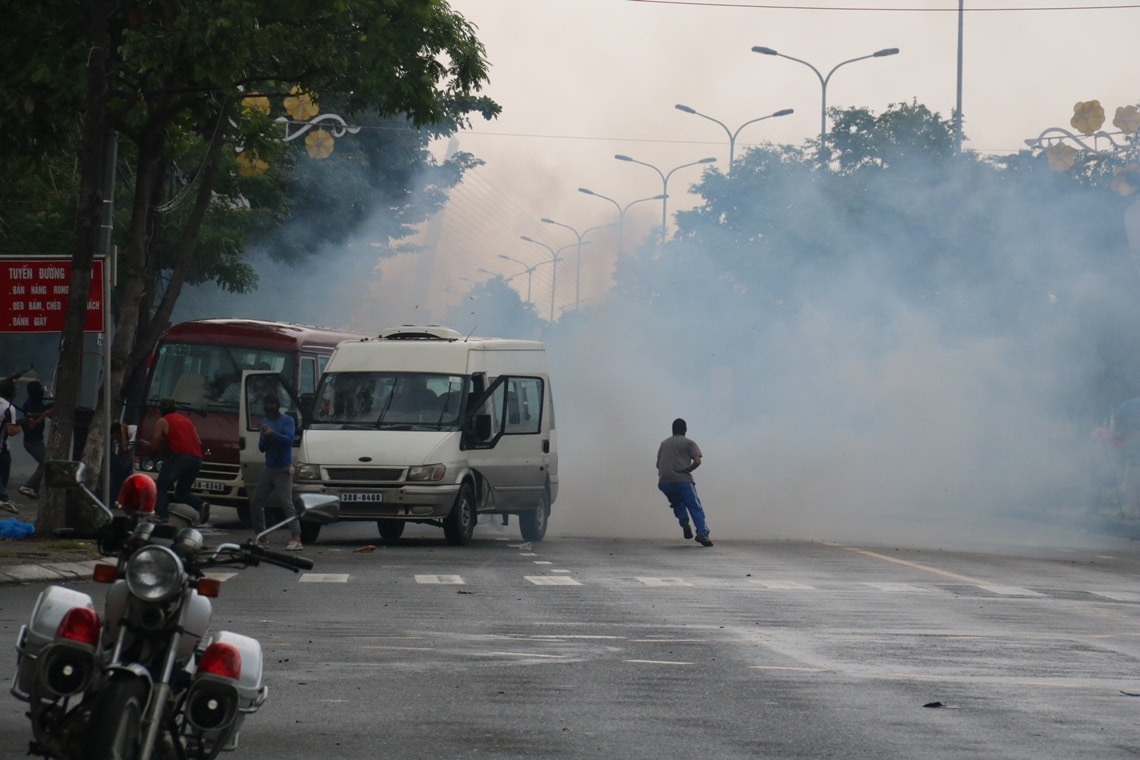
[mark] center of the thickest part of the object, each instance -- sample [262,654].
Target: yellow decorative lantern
[300,105]
[1088,117]
[1060,157]
[255,104]
[1127,119]
[1125,179]
[319,144]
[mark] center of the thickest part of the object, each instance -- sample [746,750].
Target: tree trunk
[97,135]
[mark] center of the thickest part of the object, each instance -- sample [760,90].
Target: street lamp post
[578,260]
[664,184]
[554,257]
[621,210]
[732,135]
[823,80]
[528,269]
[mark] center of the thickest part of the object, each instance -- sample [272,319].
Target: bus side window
[307,382]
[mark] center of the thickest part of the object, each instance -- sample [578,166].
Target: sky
[582,80]
[848,432]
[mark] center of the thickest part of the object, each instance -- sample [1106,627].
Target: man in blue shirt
[276,442]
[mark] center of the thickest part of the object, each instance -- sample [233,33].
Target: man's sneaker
[9,507]
[204,515]
[688,531]
[29,492]
[703,539]
[293,546]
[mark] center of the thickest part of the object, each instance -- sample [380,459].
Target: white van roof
[419,332]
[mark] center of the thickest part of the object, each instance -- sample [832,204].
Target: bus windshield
[393,400]
[208,377]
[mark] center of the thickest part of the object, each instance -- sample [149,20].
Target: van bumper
[409,502]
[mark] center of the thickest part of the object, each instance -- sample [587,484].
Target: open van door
[255,386]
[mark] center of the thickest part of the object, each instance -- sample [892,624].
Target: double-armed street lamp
[731,134]
[823,80]
[554,258]
[528,270]
[578,261]
[664,184]
[621,209]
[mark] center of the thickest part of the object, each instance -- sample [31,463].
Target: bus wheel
[310,531]
[391,530]
[532,524]
[460,524]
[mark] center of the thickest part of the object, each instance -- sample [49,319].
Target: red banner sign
[34,291]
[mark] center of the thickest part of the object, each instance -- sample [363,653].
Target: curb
[54,571]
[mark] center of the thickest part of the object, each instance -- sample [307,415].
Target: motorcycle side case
[195,622]
[251,691]
[51,605]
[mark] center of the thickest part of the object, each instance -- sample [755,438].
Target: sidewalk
[39,558]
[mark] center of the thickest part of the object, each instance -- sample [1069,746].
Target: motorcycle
[147,679]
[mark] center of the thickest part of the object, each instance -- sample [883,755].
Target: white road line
[551,580]
[561,571]
[527,554]
[543,562]
[1118,596]
[898,588]
[657,662]
[448,579]
[1008,590]
[662,582]
[324,578]
[782,585]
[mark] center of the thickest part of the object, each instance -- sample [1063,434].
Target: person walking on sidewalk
[175,437]
[34,425]
[677,457]
[276,442]
[8,428]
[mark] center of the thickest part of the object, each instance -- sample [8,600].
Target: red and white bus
[199,365]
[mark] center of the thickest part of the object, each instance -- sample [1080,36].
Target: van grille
[369,474]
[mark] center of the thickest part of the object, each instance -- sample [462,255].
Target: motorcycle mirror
[68,475]
[320,508]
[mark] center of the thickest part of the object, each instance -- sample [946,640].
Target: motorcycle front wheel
[117,722]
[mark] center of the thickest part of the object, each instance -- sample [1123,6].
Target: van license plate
[370,496]
[208,485]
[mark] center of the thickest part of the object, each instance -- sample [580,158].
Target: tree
[169,80]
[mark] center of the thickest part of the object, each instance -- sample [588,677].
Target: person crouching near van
[677,457]
[276,442]
[175,436]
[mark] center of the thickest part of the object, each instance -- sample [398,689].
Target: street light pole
[527,269]
[664,184]
[825,156]
[554,270]
[578,261]
[621,210]
[732,135]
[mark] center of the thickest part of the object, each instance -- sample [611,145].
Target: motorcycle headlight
[154,574]
[427,472]
[306,471]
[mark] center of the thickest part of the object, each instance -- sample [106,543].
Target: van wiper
[387,404]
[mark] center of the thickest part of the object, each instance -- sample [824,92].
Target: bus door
[255,386]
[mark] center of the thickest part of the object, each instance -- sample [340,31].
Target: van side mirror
[306,405]
[478,426]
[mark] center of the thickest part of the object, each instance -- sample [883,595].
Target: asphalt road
[650,649]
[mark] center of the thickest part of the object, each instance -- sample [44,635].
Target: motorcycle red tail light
[138,494]
[221,660]
[79,624]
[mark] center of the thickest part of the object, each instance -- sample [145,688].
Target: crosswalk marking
[1118,596]
[1008,590]
[324,578]
[551,580]
[904,588]
[447,579]
[782,585]
[661,582]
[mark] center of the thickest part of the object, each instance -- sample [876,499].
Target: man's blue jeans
[685,503]
[178,472]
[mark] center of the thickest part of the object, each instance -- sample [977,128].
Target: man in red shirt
[176,438]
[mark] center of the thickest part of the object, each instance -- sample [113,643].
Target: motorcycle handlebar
[288,561]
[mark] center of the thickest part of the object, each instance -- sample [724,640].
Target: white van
[423,425]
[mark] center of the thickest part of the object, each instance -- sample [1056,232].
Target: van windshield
[208,377]
[389,400]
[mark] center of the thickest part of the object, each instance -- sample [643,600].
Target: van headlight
[154,574]
[305,471]
[427,472]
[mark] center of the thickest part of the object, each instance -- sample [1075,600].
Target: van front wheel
[532,524]
[460,524]
[391,530]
